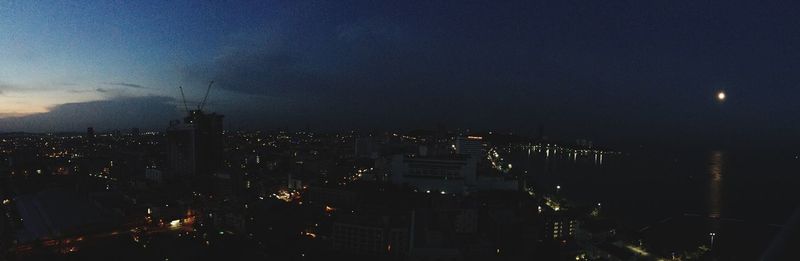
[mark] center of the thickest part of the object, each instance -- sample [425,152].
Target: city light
[175,223]
[287,195]
[712,234]
[637,250]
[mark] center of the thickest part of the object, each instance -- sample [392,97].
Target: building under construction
[195,146]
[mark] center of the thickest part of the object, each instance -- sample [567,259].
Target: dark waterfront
[677,200]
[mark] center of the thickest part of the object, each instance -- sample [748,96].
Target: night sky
[613,72]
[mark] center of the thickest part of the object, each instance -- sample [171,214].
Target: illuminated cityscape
[399,131]
[306,195]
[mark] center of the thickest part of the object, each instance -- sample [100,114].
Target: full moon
[721,96]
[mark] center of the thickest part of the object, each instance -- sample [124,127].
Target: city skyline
[399,130]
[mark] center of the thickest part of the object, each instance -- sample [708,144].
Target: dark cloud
[81,91]
[295,59]
[150,112]
[102,90]
[636,72]
[407,73]
[125,84]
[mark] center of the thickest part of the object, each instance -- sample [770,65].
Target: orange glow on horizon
[20,103]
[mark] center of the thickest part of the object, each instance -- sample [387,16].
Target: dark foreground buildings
[197,192]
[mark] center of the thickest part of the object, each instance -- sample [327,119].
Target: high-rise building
[453,173]
[90,133]
[559,225]
[470,145]
[448,174]
[196,144]
[372,235]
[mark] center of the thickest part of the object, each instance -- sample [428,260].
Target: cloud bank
[149,112]
[125,84]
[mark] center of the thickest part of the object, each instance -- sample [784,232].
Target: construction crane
[199,106]
[203,104]
[184,100]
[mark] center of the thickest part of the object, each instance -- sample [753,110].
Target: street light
[712,234]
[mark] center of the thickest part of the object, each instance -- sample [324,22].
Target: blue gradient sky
[59,52]
[610,71]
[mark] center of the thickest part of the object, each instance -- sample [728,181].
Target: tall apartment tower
[196,144]
[470,145]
